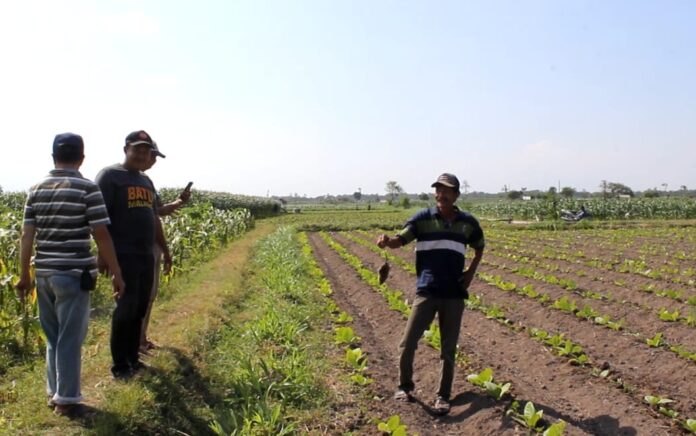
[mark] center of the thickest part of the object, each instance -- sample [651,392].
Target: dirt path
[587,403]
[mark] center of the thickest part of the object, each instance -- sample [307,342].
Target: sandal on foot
[69,410]
[441,406]
[403,396]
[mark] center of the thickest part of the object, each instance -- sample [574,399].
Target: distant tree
[514,195]
[393,190]
[423,196]
[604,186]
[505,189]
[651,193]
[552,190]
[357,195]
[664,187]
[405,202]
[619,189]
[567,192]
[682,187]
[465,187]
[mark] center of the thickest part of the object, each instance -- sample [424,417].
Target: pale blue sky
[315,97]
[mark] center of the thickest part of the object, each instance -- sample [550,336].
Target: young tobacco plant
[666,315]
[690,424]
[392,426]
[346,335]
[656,340]
[484,379]
[356,359]
[529,418]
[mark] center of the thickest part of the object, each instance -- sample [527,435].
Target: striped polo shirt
[440,249]
[64,208]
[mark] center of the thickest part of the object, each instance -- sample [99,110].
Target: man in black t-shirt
[130,200]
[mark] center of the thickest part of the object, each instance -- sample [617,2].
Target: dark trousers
[138,272]
[449,313]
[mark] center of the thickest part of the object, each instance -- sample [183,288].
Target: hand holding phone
[186,193]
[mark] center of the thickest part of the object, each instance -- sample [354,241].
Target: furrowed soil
[589,404]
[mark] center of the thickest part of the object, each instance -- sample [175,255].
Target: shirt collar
[435,212]
[64,172]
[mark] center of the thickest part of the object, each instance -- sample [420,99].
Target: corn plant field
[194,236]
[569,329]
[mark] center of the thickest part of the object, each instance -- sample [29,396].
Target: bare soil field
[604,396]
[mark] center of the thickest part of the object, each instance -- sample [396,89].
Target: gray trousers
[423,310]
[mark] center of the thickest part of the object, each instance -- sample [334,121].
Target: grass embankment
[242,350]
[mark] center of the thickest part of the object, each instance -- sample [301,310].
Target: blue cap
[68,142]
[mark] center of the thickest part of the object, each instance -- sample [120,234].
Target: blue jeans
[64,315]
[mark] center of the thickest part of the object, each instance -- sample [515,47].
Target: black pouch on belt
[87,281]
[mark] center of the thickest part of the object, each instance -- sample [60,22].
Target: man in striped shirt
[442,234]
[60,213]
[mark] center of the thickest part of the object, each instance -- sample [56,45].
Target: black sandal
[403,396]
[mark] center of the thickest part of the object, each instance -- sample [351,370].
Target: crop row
[558,342]
[484,379]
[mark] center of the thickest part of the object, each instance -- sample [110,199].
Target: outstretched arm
[391,242]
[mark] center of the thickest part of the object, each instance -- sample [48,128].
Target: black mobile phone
[188,187]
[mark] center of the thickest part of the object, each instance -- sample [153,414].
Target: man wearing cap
[59,214]
[160,250]
[442,234]
[130,199]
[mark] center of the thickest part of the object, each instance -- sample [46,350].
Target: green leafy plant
[343,318]
[654,400]
[656,340]
[565,304]
[392,426]
[587,312]
[690,424]
[556,429]
[529,418]
[346,335]
[356,359]
[361,380]
[484,379]
[666,315]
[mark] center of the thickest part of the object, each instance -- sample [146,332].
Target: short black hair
[68,156]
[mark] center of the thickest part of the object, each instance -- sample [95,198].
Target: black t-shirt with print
[130,201]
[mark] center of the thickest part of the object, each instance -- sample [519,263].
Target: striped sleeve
[95,211]
[29,215]
[410,230]
[408,233]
